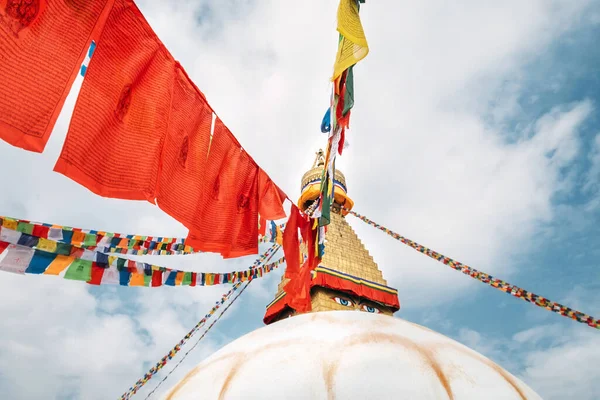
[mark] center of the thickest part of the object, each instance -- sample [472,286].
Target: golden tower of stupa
[347,277]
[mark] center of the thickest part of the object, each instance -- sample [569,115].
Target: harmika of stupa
[331,353]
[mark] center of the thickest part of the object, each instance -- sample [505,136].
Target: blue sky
[475,132]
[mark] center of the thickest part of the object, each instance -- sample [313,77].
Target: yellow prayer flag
[9,224]
[47,245]
[353,45]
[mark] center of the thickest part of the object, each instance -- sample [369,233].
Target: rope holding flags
[200,338]
[265,257]
[488,279]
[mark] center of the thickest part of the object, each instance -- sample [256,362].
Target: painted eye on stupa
[370,309]
[344,302]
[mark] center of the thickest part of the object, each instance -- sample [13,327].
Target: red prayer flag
[40,231]
[226,219]
[120,120]
[3,246]
[291,243]
[185,152]
[42,45]
[271,198]
[157,277]
[298,288]
[97,273]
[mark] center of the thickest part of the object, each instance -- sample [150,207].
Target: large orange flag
[116,136]
[42,46]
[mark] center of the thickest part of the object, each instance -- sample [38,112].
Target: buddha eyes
[371,309]
[349,303]
[344,302]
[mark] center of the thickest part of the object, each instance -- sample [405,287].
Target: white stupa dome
[348,355]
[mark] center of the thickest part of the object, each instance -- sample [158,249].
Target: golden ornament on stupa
[347,277]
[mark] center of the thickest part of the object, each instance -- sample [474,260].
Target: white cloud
[424,160]
[556,360]
[593,176]
[566,368]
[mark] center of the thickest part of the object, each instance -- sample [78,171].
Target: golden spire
[347,277]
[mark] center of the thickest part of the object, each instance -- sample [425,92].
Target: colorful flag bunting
[173,352]
[488,279]
[105,242]
[25,257]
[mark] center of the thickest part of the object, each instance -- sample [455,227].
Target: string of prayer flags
[265,257]
[111,242]
[175,350]
[141,130]
[273,233]
[488,279]
[114,143]
[352,47]
[25,254]
[43,45]
[104,242]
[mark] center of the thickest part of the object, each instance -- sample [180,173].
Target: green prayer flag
[349,95]
[80,270]
[63,248]
[147,280]
[121,264]
[187,279]
[90,240]
[25,227]
[326,206]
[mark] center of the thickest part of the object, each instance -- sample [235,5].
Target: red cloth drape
[42,45]
[120,120]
